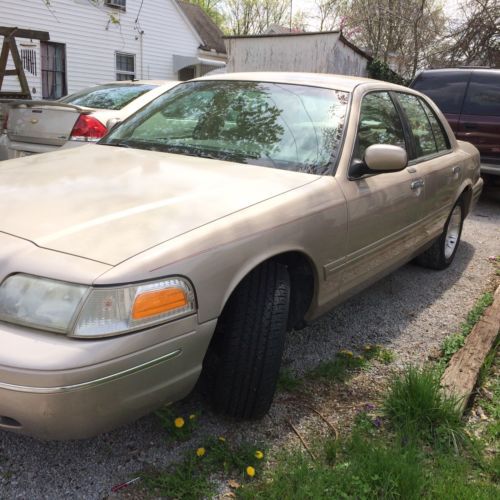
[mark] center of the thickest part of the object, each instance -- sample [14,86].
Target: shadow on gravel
[379,314]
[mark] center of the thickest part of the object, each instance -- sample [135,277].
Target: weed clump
[417,407]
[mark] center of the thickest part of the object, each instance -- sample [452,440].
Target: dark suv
[470,100]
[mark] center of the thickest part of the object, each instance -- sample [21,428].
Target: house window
[53,57]
[125,66]
[117,4]
[187,73]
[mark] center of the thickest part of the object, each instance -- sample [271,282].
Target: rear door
[480,119]
[434,162]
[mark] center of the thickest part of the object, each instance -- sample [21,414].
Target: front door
[383,208]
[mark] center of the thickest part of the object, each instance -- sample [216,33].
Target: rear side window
[483,96]
[108,96]
[419,123]
[447,90]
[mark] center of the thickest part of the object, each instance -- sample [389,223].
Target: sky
[308,6]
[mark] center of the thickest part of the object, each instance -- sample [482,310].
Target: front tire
[242,364]
[442,252]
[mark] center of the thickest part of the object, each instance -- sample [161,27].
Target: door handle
[455,170]
[470,126]
[419,183]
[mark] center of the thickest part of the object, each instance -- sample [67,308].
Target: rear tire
[442,252]
[241,368]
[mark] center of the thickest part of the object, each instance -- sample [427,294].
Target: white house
[94,41]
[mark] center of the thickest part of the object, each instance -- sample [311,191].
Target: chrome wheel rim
[453,232]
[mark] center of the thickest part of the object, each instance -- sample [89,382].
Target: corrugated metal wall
[315,53]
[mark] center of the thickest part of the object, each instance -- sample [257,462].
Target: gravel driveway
[410,311]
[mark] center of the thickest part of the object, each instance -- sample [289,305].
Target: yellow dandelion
[348,354]
[222,439]
[259,455]
[192,417]
[359,357]
[250,471]
[368,347]
[200,452]
[179,422]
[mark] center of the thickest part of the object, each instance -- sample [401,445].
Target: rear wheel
[242,364]
[441,254]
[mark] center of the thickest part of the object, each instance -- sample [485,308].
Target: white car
[86,116]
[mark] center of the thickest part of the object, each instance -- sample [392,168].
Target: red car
[470,100]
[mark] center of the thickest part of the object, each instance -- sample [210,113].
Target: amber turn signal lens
[158,302]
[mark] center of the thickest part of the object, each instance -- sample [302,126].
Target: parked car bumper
[490,168]
[90,386]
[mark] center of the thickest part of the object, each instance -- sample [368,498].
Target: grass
[178,427]
[287,381]
[417,407]
[400,455]
[454,342]
[191,478]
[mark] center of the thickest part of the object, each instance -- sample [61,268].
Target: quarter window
[125,66]
[483,96]
[379,123]
[445,88]
[421,128]
[440,135]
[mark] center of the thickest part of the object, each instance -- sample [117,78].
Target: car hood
[107,203]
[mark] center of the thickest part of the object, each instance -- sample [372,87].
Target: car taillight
[88,129]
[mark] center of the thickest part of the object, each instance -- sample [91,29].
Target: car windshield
[290,127]
[112,96]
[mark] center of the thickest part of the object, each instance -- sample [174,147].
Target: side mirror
[385,158]
[112,122]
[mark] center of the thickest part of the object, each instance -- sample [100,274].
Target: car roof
[473,69]
[337,82]
[140,82]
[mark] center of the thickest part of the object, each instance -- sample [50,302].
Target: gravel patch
[410,312]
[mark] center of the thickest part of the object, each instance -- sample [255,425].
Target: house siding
[92,40]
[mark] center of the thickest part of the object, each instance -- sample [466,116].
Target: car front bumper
[55,387]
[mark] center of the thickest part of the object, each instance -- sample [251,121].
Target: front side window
[379,123]
[125,66]
[289,127]
[112,96]
[421,128]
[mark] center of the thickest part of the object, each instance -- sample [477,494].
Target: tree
[252,17]
[328,13]
[213,8]
[400,33]
[475,39]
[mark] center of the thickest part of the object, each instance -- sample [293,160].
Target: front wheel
[242,364]
[441,254]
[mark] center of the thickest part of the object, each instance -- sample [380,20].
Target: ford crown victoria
[188,241]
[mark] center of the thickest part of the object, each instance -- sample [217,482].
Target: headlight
[38,302]
[83,311]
